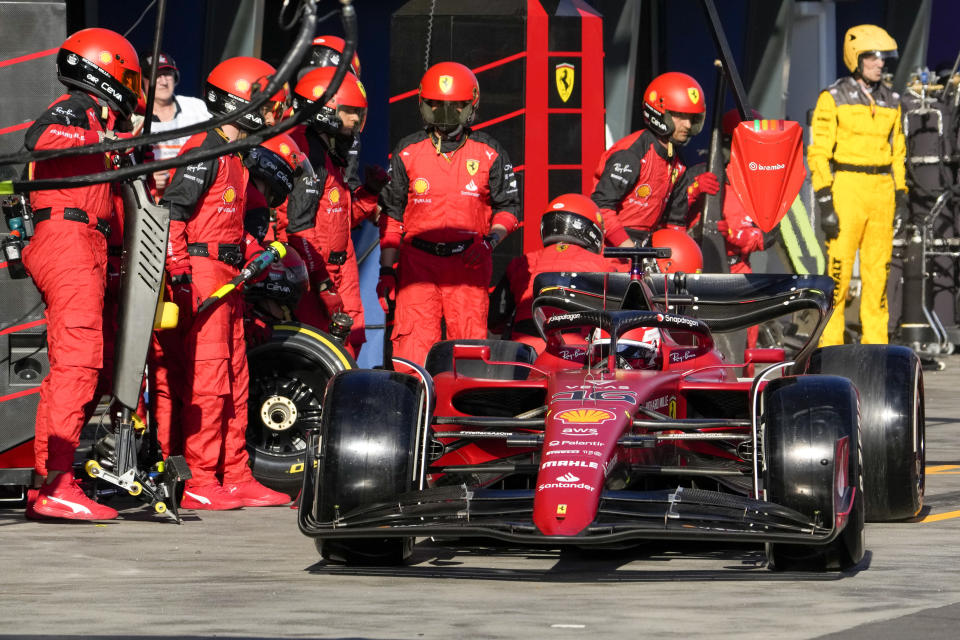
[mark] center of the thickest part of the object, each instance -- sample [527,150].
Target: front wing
[676,514]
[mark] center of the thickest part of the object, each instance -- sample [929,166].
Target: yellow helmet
[866,38]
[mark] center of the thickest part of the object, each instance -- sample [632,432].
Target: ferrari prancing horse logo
[446,83]
[565,75]
[694,95]
[473,166]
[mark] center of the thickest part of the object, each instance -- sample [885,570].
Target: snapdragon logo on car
[754,166]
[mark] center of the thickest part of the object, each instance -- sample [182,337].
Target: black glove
[902,209]
[829,221]
[181,286]
[375,178]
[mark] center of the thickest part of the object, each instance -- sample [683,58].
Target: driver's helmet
[636,349]
[284,282]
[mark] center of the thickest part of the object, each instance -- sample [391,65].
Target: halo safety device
[575,219]
[104,63]
[448,96]
[677,93]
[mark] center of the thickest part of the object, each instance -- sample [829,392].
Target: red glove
[327,292]
[703,183]
[478,251]
[723,227]
[750,239]
[387,288]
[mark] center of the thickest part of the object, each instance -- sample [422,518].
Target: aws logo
[421,186]
[585,416]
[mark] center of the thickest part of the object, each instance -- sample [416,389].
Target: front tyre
[368,455]
[807,421]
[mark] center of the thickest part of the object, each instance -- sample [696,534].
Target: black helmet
[575,219]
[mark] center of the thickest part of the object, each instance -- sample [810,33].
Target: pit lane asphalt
[251,574]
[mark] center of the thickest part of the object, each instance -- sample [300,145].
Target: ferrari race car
[631,426]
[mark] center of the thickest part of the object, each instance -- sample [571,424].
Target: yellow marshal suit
[858,149]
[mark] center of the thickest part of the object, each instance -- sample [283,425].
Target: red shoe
[254,494]
[31,500]
[210,497]
[62,498]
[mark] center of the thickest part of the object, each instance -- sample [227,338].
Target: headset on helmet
[350,94]
[104,63]
[275,162]
[326,52]
[284,283]
[575,219]
[449,94]
[231,85]
[673,92]
[866,39]
[685,253]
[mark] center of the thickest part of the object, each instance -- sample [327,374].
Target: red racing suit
[322,238]
[637,179]
[207,240]
[514,295]
[67,259]
[441,199]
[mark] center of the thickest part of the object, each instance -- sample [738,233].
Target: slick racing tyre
[804,420]
[288,376]
[440,359]
[368,455]
[890,382]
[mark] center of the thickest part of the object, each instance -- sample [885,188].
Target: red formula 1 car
[631,426]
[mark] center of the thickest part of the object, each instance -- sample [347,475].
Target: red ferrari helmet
[231,85]
[284,283]
[274,162]
[104,63]
[677,93]
[449,94]
[686,255]
[575,219]
[326,51]
[350,97]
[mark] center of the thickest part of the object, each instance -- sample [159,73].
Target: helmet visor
[446,113]
[131,80]
[696,120]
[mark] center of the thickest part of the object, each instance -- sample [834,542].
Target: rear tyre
[288,376]
[890,382]
[804,419]
[368,455]
[440,359]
